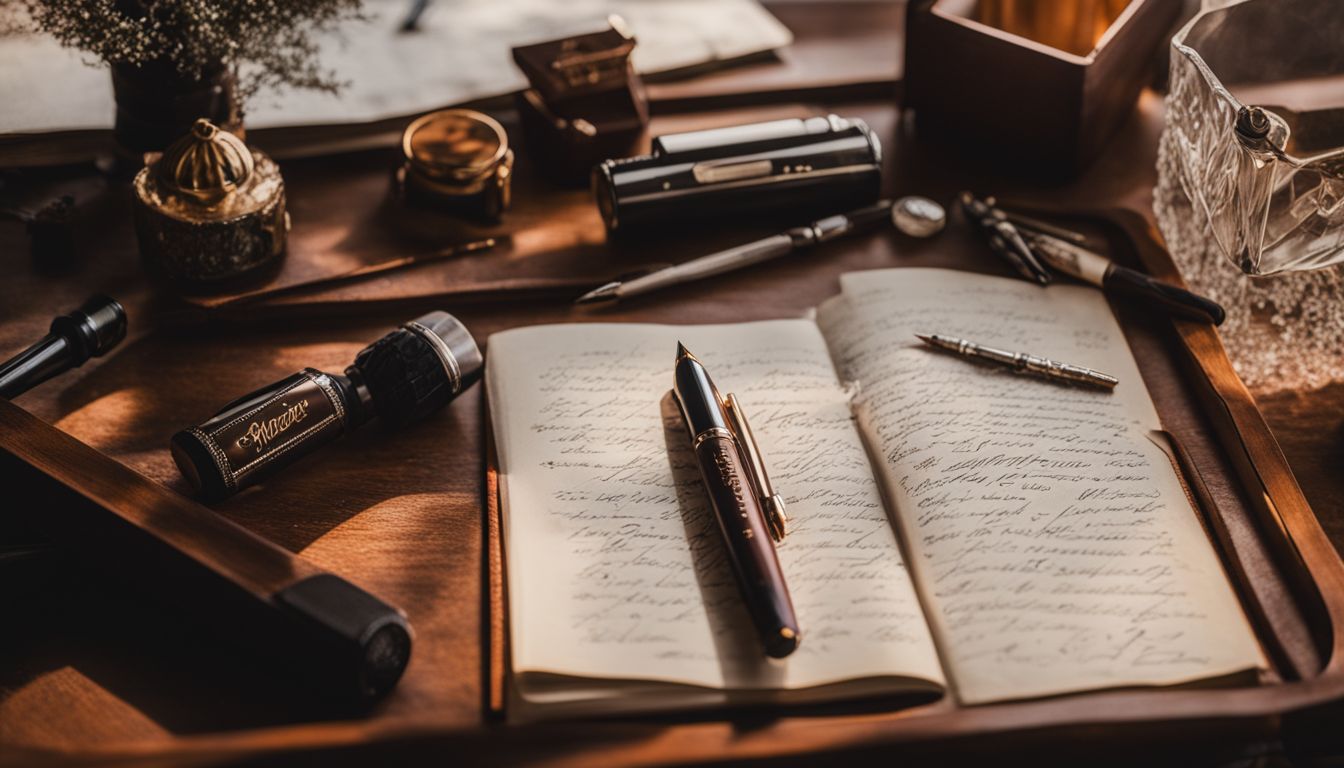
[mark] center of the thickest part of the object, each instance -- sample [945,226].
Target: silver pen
[1004,238]
[756,252]
[1021,362]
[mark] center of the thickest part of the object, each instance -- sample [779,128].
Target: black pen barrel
[90,331]
[751,551]
[1126,281]
[34,365]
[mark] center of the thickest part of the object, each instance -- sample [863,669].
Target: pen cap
[418,368]
[89,331]
[356,644]
[97,326]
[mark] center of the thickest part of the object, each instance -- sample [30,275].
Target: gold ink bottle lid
[457,160]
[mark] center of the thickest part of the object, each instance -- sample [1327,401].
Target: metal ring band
[708,433]
[441,349]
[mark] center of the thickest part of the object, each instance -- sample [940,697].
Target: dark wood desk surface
[99,675]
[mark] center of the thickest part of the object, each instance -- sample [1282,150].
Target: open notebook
[956,529]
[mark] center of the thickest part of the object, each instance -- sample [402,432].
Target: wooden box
[1036,86]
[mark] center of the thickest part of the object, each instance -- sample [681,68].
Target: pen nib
[683,352]
[923,338]
[604,293]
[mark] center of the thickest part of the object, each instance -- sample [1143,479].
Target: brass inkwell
[457,161]
[210,208]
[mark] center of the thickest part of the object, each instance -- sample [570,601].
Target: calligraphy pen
[360,273]
[745,255]
[1004,238]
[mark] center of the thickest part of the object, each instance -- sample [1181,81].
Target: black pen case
[778,171]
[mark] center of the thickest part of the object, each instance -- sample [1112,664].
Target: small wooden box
[586,103]
[1030,84]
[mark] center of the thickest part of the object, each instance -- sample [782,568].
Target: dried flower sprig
[268,43]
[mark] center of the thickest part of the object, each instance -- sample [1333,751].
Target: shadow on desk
[84,630]
[121,408]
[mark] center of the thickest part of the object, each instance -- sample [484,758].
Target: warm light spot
[1074,26]
[64,707]
[528,243]
[396,532]
[104,419]
[332,356]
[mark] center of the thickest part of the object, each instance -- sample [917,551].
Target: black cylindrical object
[90,331]
[403,377]
[778,170]
[350,646]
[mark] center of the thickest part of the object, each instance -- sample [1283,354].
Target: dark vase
[156,105]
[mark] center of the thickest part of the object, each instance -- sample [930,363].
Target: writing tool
[1022,221]
[90,331]
[345,640]
[741,256]
[1004,238]
[1091,267]
[360,273]
[1021,362]
[750,514]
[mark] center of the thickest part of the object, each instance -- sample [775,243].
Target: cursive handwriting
[618,567]
[261,433]
[1052,540]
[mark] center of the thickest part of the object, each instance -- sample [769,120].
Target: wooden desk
[97,675]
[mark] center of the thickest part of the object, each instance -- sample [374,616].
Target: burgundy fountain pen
[749,513]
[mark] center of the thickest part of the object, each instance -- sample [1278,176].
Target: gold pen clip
[776,521]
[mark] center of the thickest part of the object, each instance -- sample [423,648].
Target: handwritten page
[615,568]
[1051,539]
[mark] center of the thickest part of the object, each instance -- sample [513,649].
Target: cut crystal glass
[1250,194]
[1269,180]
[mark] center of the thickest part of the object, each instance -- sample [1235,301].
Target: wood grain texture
[95,675]
[253,563]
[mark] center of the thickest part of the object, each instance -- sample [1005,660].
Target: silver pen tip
[923,338]
[603,293]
